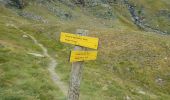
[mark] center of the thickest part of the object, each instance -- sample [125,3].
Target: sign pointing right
[84,41]
[83,55]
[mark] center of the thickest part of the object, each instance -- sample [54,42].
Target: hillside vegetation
[132,64]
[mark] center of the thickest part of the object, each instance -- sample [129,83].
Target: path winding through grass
[52,64]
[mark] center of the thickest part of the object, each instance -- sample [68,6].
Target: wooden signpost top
[76,73]
[78,56]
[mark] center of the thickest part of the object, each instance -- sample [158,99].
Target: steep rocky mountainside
[149,19]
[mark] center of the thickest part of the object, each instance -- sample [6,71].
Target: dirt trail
[51,67]
[52,64]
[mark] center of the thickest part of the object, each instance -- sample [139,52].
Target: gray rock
[127,98]
[159,81]
[33,16]
[59,12]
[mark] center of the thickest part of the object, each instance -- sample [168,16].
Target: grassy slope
[22,76]
[152,12]
[129,60]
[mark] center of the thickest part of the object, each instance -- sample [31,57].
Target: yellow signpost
[83,56]
[84,41]
[78,56]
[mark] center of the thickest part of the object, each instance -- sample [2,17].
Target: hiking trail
[52,64]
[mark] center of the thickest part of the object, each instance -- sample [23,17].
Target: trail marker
[78,56]
[83,55]
[75,39]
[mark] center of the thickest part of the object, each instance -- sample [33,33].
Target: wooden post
[76,72]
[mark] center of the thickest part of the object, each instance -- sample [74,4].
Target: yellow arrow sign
[83,55]
[84,41]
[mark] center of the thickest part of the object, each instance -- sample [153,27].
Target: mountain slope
[132,64]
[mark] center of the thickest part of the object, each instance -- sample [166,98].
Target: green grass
[151,11]
[120,72]
[22,76]
[129,60]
